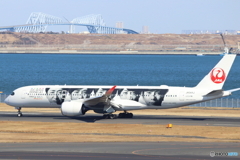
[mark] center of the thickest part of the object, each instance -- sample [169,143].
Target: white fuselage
[125,97]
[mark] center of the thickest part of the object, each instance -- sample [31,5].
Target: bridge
[38,22]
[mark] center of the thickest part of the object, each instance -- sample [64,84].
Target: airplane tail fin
[216,78]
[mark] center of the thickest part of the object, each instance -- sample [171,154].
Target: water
[19,70]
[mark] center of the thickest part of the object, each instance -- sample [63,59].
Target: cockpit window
[12,93]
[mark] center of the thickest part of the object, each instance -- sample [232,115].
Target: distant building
[119,25]
[225,32]
[145,30]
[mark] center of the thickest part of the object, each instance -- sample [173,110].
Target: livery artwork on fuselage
[149,97]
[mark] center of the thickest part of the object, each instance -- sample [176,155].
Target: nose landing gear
[19,112]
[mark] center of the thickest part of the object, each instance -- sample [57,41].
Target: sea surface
[19,70]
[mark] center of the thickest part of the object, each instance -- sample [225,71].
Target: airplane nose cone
[7,100]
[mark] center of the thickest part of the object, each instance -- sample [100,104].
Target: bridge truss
[38,22]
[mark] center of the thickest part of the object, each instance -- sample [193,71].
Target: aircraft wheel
[130,115]
[125,115]
[105,116]
[112,116]
[19,114]
[121,115]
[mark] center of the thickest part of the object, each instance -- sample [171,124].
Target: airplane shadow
[160,117]
[92,118]
[50,117]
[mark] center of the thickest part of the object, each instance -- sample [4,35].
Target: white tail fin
[218,75]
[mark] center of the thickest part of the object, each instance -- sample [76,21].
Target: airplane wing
[103,100]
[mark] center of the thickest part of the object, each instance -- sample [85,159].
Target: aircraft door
[23,96]
[181,96]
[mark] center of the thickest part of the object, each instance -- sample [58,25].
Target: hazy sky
[161,16]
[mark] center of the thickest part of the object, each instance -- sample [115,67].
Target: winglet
[109,92]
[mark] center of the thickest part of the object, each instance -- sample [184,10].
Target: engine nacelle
[72,108]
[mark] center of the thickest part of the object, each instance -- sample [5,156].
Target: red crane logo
[218,75]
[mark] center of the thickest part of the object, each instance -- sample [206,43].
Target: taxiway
[113,150]
[120,150]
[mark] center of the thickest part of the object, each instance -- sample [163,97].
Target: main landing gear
[125,115]
[110,116]
[19,112]
[120,115]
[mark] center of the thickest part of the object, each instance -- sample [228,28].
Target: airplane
[74,100]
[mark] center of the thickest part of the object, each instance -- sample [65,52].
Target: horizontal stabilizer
[233,90]
[214,93]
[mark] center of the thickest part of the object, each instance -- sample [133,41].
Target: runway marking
[25,113]
[215,147]
[82,154]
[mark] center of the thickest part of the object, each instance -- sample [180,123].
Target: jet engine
[72,108]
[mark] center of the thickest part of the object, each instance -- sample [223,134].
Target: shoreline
[106,52]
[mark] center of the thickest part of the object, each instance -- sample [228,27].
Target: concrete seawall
[107,52]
